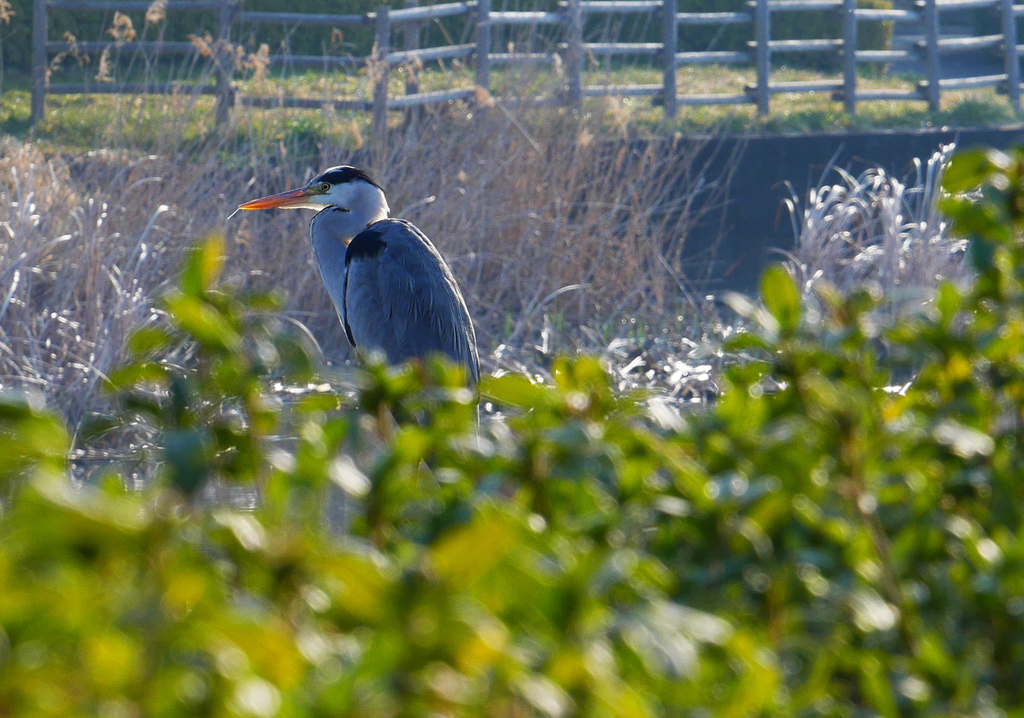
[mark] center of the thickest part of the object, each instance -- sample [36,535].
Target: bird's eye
[325,186]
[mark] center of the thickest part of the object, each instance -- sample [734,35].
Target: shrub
[476,574]
[821,540]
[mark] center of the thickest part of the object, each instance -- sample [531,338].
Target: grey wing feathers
[401,298]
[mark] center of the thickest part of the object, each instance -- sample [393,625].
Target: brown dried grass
[535,223]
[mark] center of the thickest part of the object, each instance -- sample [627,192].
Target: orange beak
[285,199]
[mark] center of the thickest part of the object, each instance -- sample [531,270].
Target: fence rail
[572,50]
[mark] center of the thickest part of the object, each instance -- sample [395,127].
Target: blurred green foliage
[841,534]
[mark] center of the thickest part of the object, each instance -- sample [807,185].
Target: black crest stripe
[343,174]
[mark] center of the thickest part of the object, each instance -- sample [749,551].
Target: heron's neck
[374,214]
[336,224]
[367,205]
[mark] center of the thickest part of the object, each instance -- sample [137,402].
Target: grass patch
[85,122]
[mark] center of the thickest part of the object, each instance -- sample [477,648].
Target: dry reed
[877,231]
[538,227]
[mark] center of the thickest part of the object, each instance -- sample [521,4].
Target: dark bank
[738,235]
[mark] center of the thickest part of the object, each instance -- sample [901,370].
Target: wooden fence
[573,51]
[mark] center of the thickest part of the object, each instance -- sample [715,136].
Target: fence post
[574,54]
[381,50]
[411,41]
[763,35]
[483,44]
[1010,56]
[931,36]
[668,49]
[40,31]
[224,62]
[850,56]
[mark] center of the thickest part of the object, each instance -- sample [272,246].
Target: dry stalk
[258,62]
[121,29]
[73,51]
[202,44]
[337,39]
[156,12]
[103,72]
[876,230]
[375,67]
[6,12]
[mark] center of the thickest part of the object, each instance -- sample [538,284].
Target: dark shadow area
[739,236]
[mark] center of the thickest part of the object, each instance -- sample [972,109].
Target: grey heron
[392,289]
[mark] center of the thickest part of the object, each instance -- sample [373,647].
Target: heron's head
[344,188]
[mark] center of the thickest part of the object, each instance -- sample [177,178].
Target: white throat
[350,208]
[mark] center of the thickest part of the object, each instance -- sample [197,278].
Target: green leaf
[589,373]
[265,301]
[134,374]
[982,255]
[359,585]
[876,687]
[977,220]
[95,427]
[948,301]
[317,403]
[29,436]
[247,529]
[781,297]
[188,455]
[203,322]
[970,170]
[203,266]
[514,390]
[745,341]
[149,339]
[465,554]
[142,405]
[295,357]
